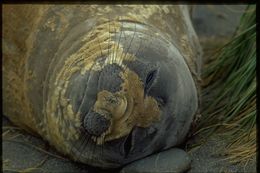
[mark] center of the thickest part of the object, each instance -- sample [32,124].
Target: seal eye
[149,80]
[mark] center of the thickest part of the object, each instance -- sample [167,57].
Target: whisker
[118,42]
[99,44]
[103,143]
[90,149]
[100,148]
[138,48]
[113,49]
[151,36]
[100,152]
[81,104]
[93,153]
[79,149]
[130,42]
[109,37]
[81,143]
[128,47]
[131,39]
[124,35]
[88,142]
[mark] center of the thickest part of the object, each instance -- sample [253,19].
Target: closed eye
[149,80]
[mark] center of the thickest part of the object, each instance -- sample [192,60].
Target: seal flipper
[172,160]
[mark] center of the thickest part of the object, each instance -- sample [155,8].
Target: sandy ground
[208,158]
[23,152]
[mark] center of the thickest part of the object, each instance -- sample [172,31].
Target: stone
[173,160]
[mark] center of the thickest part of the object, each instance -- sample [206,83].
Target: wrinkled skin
[105,86]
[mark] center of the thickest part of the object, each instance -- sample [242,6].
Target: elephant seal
[104,84]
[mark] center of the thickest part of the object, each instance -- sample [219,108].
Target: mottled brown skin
[53,57]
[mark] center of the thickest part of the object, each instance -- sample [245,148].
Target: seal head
[130,94]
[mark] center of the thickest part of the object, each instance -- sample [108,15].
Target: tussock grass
[230,86]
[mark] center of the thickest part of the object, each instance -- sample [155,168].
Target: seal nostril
[128,144]
[95,124]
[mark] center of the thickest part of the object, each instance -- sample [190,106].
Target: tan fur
[129,109]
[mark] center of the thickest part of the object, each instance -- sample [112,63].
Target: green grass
[230,83]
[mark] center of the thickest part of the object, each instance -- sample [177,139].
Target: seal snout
[96,124]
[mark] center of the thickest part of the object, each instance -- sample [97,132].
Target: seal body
[104,84]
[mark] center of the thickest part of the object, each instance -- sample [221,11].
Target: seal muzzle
[96,124]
